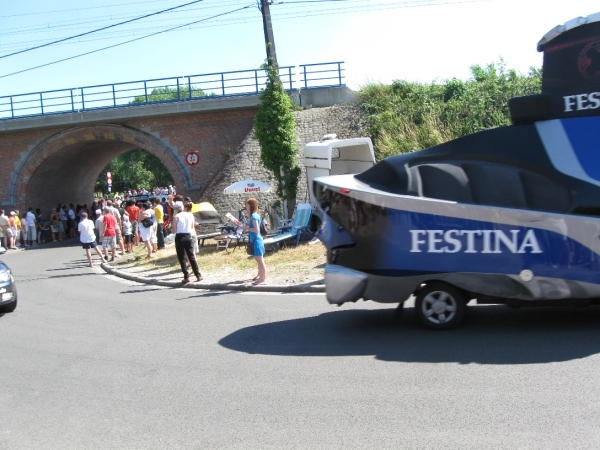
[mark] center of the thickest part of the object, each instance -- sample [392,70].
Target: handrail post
[256,79]
[178,91]
[305,82]
[82,100]
[146,92]
[72,101]
[189,88]
[42,103]
[290,75]
[340,73]
[222,84]
[114,97]
[12,111]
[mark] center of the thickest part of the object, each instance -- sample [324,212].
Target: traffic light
[109,180]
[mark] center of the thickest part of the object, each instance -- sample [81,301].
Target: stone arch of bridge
[64,167]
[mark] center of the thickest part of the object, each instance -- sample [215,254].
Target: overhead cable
[126,42]
[278,15]
[78,9]
[100,29]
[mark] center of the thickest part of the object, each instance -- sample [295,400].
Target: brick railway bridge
[57,158]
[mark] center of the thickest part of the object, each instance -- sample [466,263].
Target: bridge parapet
[166,90]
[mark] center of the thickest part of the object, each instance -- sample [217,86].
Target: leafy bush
[274,128]
[405,116]
[134,169]
[168,93]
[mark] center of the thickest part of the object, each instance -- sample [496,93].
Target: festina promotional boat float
[507,215]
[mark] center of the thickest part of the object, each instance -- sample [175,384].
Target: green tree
[405,116]
[134,169]
[274,128]
[169,93]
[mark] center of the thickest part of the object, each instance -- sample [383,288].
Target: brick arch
[64,167]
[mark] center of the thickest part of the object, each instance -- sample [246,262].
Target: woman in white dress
[147,233]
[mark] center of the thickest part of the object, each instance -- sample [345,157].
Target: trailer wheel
[440,306]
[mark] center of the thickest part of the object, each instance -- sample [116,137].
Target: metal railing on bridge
[165,90]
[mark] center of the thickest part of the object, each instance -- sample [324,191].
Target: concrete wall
[320,98]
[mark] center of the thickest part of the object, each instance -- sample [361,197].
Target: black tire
[440,306]
[8,308]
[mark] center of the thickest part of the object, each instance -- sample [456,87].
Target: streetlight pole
[268,28]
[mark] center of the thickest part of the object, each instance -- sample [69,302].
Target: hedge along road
[89,360]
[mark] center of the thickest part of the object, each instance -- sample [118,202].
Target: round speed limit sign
[192,158]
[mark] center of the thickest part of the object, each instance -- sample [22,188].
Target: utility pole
[268,28]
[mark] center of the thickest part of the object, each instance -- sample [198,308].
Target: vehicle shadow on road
[488,335]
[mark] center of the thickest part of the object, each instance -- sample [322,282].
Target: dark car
[8,290]
[141,198]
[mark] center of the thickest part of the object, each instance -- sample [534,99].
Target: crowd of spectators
[119,223]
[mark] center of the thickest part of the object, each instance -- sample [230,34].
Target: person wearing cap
[88,238]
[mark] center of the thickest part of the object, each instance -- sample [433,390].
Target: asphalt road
[89,361]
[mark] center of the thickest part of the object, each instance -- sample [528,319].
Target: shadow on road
[489,335]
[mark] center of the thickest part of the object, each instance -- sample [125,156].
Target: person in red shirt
[109,235]
[133,212]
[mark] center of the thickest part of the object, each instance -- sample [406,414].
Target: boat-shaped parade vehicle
[509,215]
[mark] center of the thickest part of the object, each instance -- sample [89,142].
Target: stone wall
[311,125]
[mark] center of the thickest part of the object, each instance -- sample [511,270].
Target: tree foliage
[169,93]
[134,169]
[405,116]
[274,128]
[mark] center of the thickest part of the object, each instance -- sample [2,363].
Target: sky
[378,40]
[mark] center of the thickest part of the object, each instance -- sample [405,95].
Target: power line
[73,24]
[95,19]
[100,29]
[284,16]
[280,16]
[79,9]
[123,43]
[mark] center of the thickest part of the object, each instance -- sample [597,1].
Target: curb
[213,286]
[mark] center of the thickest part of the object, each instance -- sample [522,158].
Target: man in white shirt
[31,227]
[88,238]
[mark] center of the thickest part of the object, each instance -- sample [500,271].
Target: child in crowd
[127,233]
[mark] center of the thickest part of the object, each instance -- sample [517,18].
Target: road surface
[89,361]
